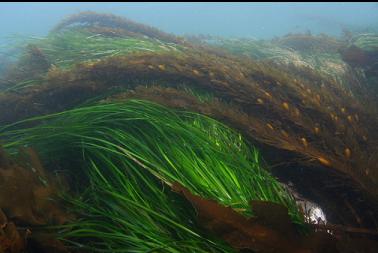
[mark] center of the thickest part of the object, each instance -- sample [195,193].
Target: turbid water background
[258,20]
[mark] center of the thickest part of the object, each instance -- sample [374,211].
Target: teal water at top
[258,20]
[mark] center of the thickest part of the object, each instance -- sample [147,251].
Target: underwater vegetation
[114,25]
[62,49]
[298,99]
[28,198]
[318,53]
[362,54]
[133,152]
[341,58]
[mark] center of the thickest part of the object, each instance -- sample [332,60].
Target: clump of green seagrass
[131,152]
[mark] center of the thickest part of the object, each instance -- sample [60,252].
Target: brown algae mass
[310,120]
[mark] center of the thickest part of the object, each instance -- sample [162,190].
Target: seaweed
[301,111]
[109,21]
[319,53]
[28,202]
[270,231]
[321,116]
[11,240]
[130,148]
[314,117]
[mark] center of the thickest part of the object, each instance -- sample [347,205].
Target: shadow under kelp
[312,117]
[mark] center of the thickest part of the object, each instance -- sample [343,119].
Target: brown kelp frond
[28,200]
[302,50]
[119,24]
[269,231]
[261,129]
[333,185]
[301,113]
[27,191]
[228,224]
[11,239]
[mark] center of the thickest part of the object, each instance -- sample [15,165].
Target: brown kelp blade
[256,234]
[28,199]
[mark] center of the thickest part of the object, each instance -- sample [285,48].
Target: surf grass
[75,45]
[325,62]
[131,153]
